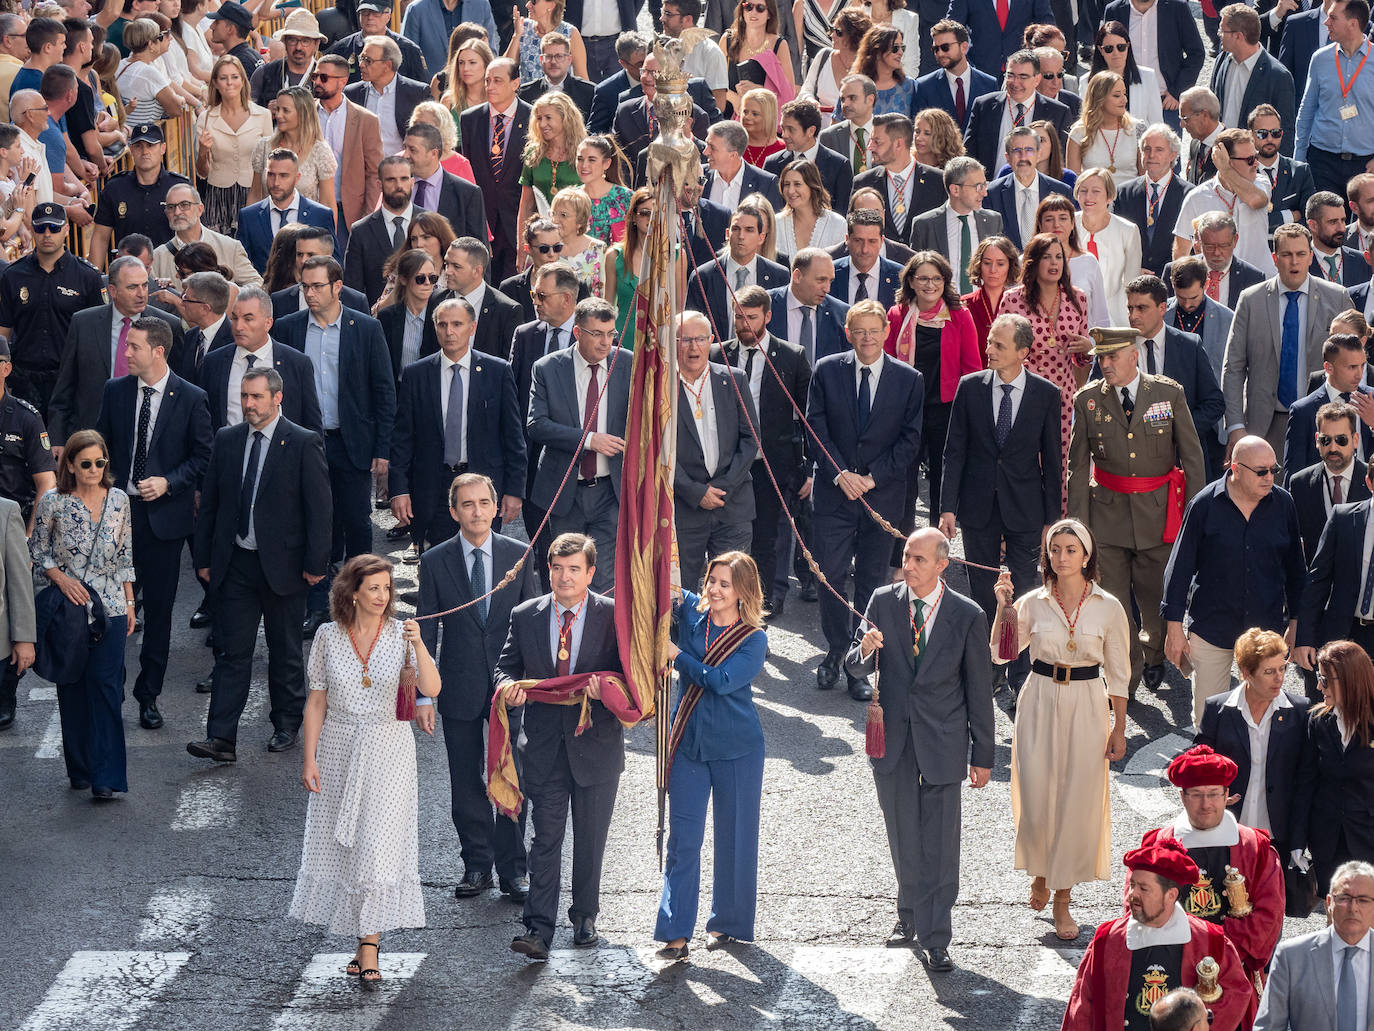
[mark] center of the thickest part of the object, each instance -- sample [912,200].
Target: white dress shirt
[725,191]
[703,408]
[1018,391]
[869,279]
[1158,341]
[389,224]
[931,605]
[581,377]
[383,104]
[756,373]
[278,217]
[154,405]
[1009,114]
[1134,388]
[477,298]
[900,184]
[875,371]
[954,232]
[1359,966]
[208,334]
[1254,807]
[1237,79]
[445,383]
[1144,32]
[332,129]
[262,359]
[751,278]
[251,541]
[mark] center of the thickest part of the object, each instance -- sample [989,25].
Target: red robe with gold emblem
[1098,1001]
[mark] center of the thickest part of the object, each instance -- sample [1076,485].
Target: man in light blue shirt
[1335,131]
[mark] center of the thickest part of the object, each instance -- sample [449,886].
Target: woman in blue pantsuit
[717,750]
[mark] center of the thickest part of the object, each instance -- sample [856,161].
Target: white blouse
[1118,258]
[1086,273]
[829,230]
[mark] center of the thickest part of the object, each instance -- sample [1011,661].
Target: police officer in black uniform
[39,294]
[370,14]
[131,202]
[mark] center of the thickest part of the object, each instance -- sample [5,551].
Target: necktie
[861,290]
[1288,356]
[652,118]
[478,579]
[1346,1006]
[196,338]
[919,650]
[960,102]
[899,202]
[1003,429]
[498,145]
[1020,115]
[250,482]
[1337,496]
[421,188]
[1214,284]
[283,217]
[1150,365]
[687,222]
[1194,162]
[860,151]
[121,359]
[865,397]
[586,469]
[453,420]
[741,278]
[1027,216]
[251,359]
[807,337]
[398,234]
[1332,272]
[565,644]
[1127,405]
[1003,12]
[145,416]
[553,341]
[749,364]
[1152,215]
[965,249]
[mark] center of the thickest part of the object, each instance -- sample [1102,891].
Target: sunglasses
[48,228]
[943,48]
[99,463]
[325,76]
[1251,160]
[1054,76]
[900,48]
[421,278]
[1114,48]
[545,248]
[1264,470]
[644,213]
[754,8]
[1340,440]
[1267,134]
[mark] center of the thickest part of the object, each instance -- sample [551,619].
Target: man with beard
[1336,477]
[1292,180]
[1343,360]
[376,236]
[1193,311]
[301,36]
[184,210]
[956,84]
[1016,195]
[1331,259]
[133,201]
[354,135]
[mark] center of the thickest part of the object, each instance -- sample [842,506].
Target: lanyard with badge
[1348,111]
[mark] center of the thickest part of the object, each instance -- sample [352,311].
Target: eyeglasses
[99,463]
[695,340]
[163,35]
[192,300]
[422,278]
[1020,76]
[943,48]
[47,227]
[928,280]
[309,287]
[181,205]
[546,248]
[1053,76]
[1263,471]
[1352,900]
[1246,161]
[364,59]
[1114,48]
[1340,439]
[1267,134]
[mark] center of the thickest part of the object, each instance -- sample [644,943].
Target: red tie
[1003,12]
[1092,245]
[1214,284]
[121,361]
[586,469]
[565,644]
[960,101]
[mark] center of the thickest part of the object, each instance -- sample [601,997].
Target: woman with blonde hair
[466,78]
[1109,238]
[571,212]
[141,78]
[759,116]
[753,36]
[298,130]
[807,220]
[225,142]
[1105,136]
[434,113]
[543,18]
[550,157]
[935,137]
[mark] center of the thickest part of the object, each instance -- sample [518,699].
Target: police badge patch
[23,295]
[123,209]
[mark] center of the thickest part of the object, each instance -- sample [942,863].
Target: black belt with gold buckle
[1062,674]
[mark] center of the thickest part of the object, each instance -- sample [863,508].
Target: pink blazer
[959,353]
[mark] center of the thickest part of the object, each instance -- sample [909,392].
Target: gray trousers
[596,512]
[923,833]
[702,536]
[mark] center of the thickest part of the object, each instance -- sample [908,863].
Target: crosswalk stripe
[1050,984]
[208,804]
[327,999]
[106,990]
[51,745]
[177,915]
[43,693]
[838,987]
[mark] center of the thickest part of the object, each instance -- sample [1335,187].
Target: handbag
[406,687]
[1300,891]
[61,650]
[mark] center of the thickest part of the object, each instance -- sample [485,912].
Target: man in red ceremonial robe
[1214,841]
[1134,961]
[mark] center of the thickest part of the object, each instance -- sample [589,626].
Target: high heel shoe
[1064,927]
[371,984]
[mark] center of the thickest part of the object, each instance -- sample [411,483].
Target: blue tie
[1345,992]
[1003,428]
[1288,357]
[479,584]
[865,399]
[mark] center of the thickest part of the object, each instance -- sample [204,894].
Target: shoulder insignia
[44,441]
[20,401]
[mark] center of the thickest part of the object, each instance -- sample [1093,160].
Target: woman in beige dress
[1062,741]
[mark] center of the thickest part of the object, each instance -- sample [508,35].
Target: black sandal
[371,984]
[353,968]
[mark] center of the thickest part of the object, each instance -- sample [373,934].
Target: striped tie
[498,144]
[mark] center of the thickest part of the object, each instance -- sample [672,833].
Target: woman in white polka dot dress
[359,871]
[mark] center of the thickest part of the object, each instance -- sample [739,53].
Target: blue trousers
[92,724]
[737,787]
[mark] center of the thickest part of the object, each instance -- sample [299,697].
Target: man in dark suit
[955,227]
[1016,195]
[1303,33]
[729,179]
[1018,103]
[258,223]
[561,764]
[1290,181]
[697,89]
[850,138]
[775,384]
[555,57]
[205,306]
[250,323]
[1337,477]
[869,199]
[436,189]
[800,129]
[804,311]
[357,392]
[379,68]
[311,241]
[455,573]
[1343,362]
[565,388]
[465,270]
[742,266]
[863,272]
[456,412]
[1268,82]
[1052,76]
[705,223]
[1227,275]
[1002,468]
[956,84]
[1335,601]
[1331,259]
[713,489]
[635,123]
[266,467]
[938,721]
[157,428]
[1177,42]
[495,157]
[95,348]
[375,237]
[907,187]
[630,51]
[997,38]
[867,439]
[1151,201]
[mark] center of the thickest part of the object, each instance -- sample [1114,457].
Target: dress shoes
[777,606]
[938,960]
[6,713]
[901,936]
[1153,676]
[828,673]
[531,945]
[99,794]
[80,785]
[205,686]
[584,932]
[860,690]
[474,883]
[672,953]
[148,716]
[719,941]
[213,748]
[398,533]
[809,591]
[200,619]
[516,891]
[281,740]
[313,622]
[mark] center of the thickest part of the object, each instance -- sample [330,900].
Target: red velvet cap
[1165,857]
[1201,767]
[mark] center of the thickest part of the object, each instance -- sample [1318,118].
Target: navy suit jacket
[830,315]
[991,43]
[1001,198]
[889,279]
[501,196]
[714,222]
[579,91]
[1310,491]
[367,388]
[1020,481]
[697,89]
[837,174]
[1180,44]
[1270,83]
[1330,597]
[1300,440]
[933,91]
[255,227]
[287,301]
[983,137]
[1132,204]
[183,361]
[706,290]
[178,448]
[605,101]
[631,127]
[885,449]
[299,401]
[461,203]
[1297,44]
[753,180]
[1293,185]
[1354,268]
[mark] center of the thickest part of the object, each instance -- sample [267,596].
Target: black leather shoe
[672,953]
[474,883]
[6,713]
[939,960]
[99,794]
[213,748]
[777,606]
[516,891]
[313,622]
[1153,676]
[860,690]
[281,741]
[80,785]
[900,937]
[584,932]
[828,673]
[809,591]
[398,533]
[200,619]
[148,716]
[205,686]
[718,941]
[531,945]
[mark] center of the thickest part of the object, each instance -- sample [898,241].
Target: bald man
[1237,564]
[1180,1010]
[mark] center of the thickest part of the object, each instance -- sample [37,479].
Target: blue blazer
[1331,595]
[255,228]
[423,23]
[495,430]
[605,102]
[299,401]
[991,44]
[889,278]
[885,449]
[714,221]
[983,135]
[1188,365]
[1001,198]
[1293,185]
[933,91]
[830,314]
[1300,439]
[1180,44]
[1297,44]
[178,448]
[837,174]
[754,180]
[1354,268]
[367,387]
[287,301]
[706,290]
[1309,489]
[725,723]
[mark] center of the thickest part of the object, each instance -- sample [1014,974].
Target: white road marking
[327,999]
[836,987]
[51,745]
[208,804]
[1143,785]
[106,990]
[1050,984]
[43,693]
[176,915]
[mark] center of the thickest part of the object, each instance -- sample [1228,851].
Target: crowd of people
[1014,257]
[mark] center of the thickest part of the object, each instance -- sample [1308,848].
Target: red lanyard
[917,631]
[565,633]
[696,394]
[365,659]
[1347,87]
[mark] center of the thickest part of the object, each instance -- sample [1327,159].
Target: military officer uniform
[1130,475]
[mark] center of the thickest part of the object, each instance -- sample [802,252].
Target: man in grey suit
[1315,981]
[1276,341]
[565,388]
[713,487]
[936,696]
[956,226]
